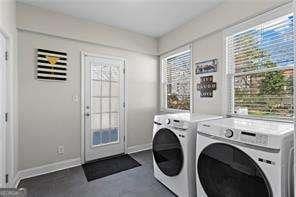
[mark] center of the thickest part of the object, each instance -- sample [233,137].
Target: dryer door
[226,171]
[167,152]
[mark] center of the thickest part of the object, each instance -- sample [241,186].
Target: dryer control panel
[177,124]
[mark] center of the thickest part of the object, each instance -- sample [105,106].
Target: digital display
[249,134]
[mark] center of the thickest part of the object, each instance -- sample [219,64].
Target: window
[176,80]
[260,63]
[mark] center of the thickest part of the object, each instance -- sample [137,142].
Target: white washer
[174,137]
[238,157]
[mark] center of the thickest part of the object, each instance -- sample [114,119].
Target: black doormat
[105,167]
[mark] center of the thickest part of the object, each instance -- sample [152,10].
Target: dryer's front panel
[167,152]
[226,171]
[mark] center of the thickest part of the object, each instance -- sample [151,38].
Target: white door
[2,110]
[104,107]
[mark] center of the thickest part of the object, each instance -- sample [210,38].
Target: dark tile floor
[136,182]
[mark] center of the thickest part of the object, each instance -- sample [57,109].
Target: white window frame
[228,85]
[162,93]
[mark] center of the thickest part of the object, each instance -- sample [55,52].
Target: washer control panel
[245,136]
[254,138]
[239,135]
[228,133]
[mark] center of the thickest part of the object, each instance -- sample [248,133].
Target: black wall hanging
[206,86]
[51,65]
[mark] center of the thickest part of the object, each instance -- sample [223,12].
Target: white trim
[257,20]
[139,148]
[82,95]
[82,107]
[45,169]
[294,96]
[16,180]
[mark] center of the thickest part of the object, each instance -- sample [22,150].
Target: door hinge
[6,178]
[6,117]
[123,70]
[123,104]
[6,55]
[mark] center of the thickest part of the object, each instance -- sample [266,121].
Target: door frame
[82,99]
[8,135]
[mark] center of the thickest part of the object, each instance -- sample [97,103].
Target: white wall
[49,117]
[206,35]
[205,49]
[8,27]
[39,20]
[224,15]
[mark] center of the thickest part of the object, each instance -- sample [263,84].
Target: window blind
[261,60]
[176,72]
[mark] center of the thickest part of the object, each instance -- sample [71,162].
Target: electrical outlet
[60,150]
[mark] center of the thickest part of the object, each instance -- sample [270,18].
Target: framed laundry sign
[206,86]
[51,65]
[208,66]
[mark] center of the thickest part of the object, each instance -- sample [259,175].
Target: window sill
[287,120]
[174,111]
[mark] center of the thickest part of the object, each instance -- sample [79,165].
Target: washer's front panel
[226,171]
[167,152]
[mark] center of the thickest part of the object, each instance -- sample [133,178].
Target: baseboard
[139,148]
[16,180]
[32,172]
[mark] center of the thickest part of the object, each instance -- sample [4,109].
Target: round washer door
[167,152]
[226,171]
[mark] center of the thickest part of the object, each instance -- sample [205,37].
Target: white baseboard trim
[32,172]
[139,148]
[16,180]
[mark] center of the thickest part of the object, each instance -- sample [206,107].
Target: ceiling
[149,17]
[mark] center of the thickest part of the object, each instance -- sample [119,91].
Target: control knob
[168,121]
[228,133]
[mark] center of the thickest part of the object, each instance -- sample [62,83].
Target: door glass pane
[114,89]
[106,136]
[106,73]
[114,105]
[105,104]
[114,135]
[97,138]
[114,73]
[96,88]
[96,72]
[105,121]
[114,120]
[96,122]
[95,105]
[105,89]
[225,171]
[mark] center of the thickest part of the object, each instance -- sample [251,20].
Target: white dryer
[238,157]
[174,137]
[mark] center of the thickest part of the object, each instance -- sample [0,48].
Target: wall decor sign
[206,86]
[208,66]
[51,65]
